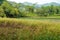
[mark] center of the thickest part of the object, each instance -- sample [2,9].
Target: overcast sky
[36,1]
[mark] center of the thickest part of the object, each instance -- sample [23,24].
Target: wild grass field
[26,29]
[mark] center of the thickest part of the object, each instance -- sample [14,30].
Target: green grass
[26,29]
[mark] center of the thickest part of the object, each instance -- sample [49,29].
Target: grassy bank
[24,29]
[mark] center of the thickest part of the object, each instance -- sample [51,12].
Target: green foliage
[2,14]
[1,1]
[9,10]
[17,10]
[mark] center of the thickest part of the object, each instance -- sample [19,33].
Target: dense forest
[17,10]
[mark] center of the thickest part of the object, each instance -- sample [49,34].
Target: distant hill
[52,3]
[27,3]
[39,5]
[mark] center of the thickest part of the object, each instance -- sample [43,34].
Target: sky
[36,1]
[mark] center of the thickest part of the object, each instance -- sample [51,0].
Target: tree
[2,14]
[1,1]
[9,10]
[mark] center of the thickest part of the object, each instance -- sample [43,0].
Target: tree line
[17,10]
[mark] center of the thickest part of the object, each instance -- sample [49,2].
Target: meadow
[29,29]
[19,21]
